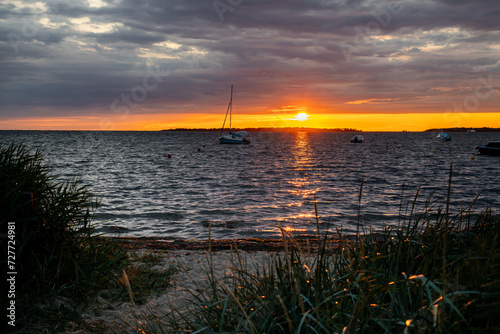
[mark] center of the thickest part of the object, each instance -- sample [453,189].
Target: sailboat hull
[232,139]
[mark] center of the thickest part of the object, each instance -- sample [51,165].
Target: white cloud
[86,24]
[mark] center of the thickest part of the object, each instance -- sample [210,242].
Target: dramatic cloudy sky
[152,64]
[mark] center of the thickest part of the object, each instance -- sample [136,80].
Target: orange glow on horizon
[155,122]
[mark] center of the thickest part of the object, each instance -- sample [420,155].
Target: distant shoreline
[484,129]
[288,129]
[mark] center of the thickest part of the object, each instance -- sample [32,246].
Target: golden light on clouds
[369,101]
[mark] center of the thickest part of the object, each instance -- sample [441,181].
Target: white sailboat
[240,137]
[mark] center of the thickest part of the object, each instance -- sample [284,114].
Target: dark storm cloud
[70,56]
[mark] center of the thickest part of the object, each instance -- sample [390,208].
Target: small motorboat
[442,136]
[492,148]
[357,139]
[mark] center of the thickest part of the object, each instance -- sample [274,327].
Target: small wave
[161,215]
[169,216]
[113,229]
[215,212]
[221,224]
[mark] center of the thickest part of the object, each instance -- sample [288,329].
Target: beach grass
[59,260]
[141,280]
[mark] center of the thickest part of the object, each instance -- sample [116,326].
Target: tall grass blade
[359,207]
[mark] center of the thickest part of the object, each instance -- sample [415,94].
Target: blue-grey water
[247,191]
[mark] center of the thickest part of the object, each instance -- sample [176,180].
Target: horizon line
[277,129]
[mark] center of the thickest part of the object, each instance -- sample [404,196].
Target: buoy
[199,149]
[473,157]
[169,156]
[399,146]
[203,145]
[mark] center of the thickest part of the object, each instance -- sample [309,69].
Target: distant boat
[357,139]
[471,130]
[492,148]
[442,136]
[240,137]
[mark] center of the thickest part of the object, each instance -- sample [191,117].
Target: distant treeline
[296,129]
[485,129]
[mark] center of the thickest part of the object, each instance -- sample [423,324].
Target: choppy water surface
[246,191]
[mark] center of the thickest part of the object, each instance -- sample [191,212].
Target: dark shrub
[56,250]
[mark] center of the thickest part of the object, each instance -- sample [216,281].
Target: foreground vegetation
[56,250]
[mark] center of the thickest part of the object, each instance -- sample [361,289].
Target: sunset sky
[159,64]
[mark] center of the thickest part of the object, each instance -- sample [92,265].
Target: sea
[184,185]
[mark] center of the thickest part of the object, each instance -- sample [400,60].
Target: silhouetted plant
[56,248]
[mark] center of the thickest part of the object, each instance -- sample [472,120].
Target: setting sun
[301,117]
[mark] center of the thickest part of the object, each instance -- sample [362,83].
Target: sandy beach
[191,259]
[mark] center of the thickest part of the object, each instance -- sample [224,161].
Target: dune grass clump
[143,278]
[56,249]
[435,273]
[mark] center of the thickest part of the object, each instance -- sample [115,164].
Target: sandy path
[191,278]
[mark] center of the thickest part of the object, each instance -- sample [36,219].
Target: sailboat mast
[230,108]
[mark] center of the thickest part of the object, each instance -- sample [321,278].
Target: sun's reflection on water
[290,229]
[302,155]
[301,187]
